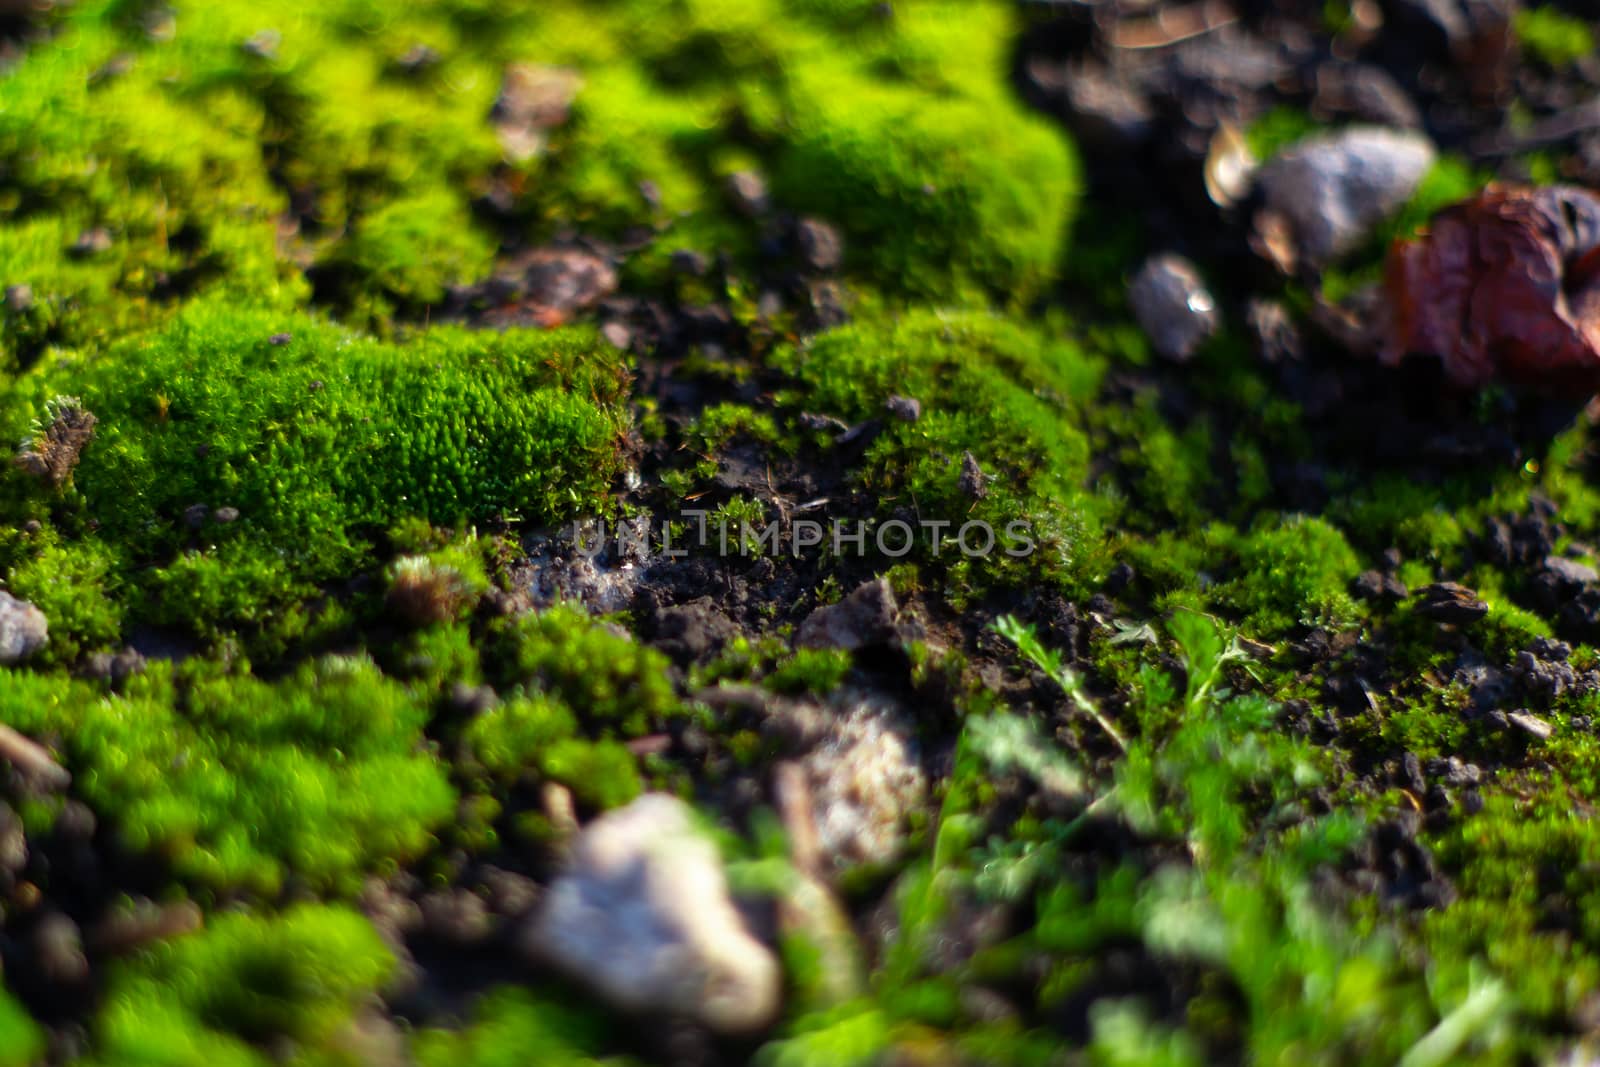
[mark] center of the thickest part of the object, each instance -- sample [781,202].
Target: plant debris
[1503,287]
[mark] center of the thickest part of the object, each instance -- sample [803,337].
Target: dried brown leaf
[55,448]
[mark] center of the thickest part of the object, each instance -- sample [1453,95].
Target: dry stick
[1173,25]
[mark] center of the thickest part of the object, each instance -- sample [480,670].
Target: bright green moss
[612,682]
[1007,394]
[938,196]
[76,585]
[1554,37]
[533,736]
[507,738]
[1293,570]
[222,996]
[21,1042]
[319,443]
[817,671]
[412,250]
[239,782]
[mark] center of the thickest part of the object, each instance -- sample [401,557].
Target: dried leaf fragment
[56,445]
[1503,287]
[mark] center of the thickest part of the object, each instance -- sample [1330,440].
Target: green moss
[1555,38]
[1293,570]
[1277,130]
[412,250]
[21,1041]
[612,682]
[239,783]
[1007,394]
[76,585]
[528,740]
[514,1026]
[817,671]
[319,443]
[937,197]
[220,996]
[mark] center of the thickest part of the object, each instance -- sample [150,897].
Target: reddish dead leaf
[1503,287]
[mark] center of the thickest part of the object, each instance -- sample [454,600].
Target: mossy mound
[216,997]
[239,783]
[938,195]
[313,442]
[1007,394]
[149,157]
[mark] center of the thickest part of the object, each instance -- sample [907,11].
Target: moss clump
[239,783]
[241,456]
[220,997]
[576,688]
[1005,393]
[1292,570]
[612,682]
[534,736]
[938,196]
[1556,39]
[412,250]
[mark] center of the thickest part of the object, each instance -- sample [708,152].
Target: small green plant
[1050,662]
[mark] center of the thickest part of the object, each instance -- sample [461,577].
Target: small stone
[278,340]
[1569,573]
[1411,774]
[865,617]
[58,947]
[1376,585]
[419,57]
[456,917]
[748,190]
[91,242]
[13,841]
[1334,189]
[225,515]
[19,298]
[1531,725]
[617,335]
[972,481]
[1173,306]
[562,281]
[821,247]
[1450,603]
[534,99]
[1452,772]
[263,45]
[904,408]
[1102,107]
[863,781]
[690,262]
[643,916]
[23,629]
